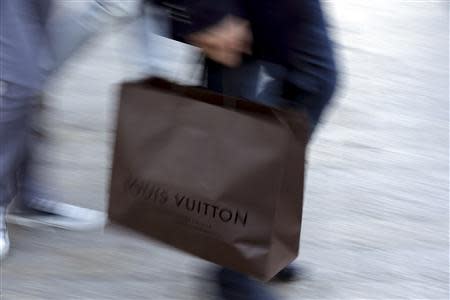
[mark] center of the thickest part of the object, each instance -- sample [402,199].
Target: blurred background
[376,215]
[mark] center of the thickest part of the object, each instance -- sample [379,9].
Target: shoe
[59,215]
[236,286]
[4,239]
[288,274]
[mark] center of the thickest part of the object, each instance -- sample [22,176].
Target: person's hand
[226,41]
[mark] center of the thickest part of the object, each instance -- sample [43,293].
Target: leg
[15,114]
[272,85]
[30,186]
[34,203]
[236,286]
[240,82]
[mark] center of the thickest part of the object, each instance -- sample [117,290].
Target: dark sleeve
[188,16]
[206,12]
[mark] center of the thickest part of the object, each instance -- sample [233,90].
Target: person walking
[23,41]
[277,53]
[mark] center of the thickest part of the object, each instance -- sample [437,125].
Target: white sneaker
[60,215]
[4,239]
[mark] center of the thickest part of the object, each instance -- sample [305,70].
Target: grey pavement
[376,216]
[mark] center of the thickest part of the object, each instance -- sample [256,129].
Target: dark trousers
[273,85]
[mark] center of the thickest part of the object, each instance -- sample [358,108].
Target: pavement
[376,216]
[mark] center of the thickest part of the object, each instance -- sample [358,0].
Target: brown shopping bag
[218,177]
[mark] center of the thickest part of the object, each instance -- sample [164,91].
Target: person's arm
[224,42]
[219,28]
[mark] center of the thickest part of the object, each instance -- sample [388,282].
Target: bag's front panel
[199,177]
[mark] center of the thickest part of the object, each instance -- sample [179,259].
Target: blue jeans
[18,109]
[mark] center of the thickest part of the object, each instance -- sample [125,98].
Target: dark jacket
[292,33]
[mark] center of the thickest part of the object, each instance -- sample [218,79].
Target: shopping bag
[218,177]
